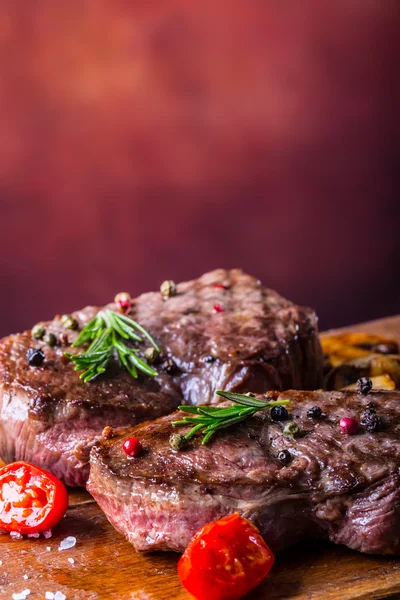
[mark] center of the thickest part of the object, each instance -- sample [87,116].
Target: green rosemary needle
[211,419]
[109,333]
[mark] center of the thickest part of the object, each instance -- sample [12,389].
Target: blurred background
[148,140]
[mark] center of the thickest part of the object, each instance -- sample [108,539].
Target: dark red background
[148,140]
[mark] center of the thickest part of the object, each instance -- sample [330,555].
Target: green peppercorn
[50,339]
[291,429]
[178,441]
[151,354]
[38,331]
[168,288]
[69,322]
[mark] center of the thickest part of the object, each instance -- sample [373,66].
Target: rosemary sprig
[109,333]
[211,419]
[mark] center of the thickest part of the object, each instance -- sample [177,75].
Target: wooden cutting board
[106,566]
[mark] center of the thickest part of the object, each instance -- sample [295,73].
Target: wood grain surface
[106,566]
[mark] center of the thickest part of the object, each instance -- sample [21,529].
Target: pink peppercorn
[132,447]
[217,308]
[348,425]
[220,286]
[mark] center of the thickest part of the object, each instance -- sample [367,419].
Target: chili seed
[279,413]
[364,385]
[35,357]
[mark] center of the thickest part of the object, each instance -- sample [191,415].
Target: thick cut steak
[344,488]
[223,330]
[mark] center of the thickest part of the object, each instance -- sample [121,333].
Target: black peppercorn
[370,420]
[35,357]
[284,457]
[364,385]
[314,412]
[209,359]
[279,413]
[169,366]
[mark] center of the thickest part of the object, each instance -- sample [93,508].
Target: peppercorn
[348,425]
[35,357]
[69,322]
[291,429]
[364,385]
[217,308]
[151,354]
[168,288]
[50,339]
[370,420]
[132,447]
[314,412]
[178,441]
[279,413]
[169,366]
[209,359]
[38,331]
[284,457]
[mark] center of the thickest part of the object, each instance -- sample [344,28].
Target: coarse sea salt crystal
[59,596]
[21,595]
[15,535]
[67,543]
[33,535]
[26,576]
[71,560]
[49,596]
[48,533]
[1,562]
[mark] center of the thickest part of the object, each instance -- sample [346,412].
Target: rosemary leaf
[109,333]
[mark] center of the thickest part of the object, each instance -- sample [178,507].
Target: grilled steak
[322,484]
[223,330]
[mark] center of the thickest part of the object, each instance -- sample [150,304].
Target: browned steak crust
[258,341]
[344,488]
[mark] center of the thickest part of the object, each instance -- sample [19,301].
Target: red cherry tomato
[31,499]
[225,560]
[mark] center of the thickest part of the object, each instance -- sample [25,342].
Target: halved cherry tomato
[31,499]
[225,560]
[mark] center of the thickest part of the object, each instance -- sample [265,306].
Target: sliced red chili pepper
[225,560]
[31,499]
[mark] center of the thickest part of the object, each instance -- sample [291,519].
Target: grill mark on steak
[48,416]
[337,487]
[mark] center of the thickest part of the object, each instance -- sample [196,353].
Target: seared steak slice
[344,488]
[254,339]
